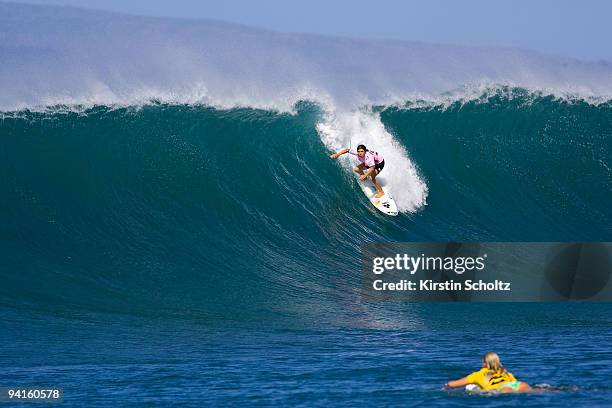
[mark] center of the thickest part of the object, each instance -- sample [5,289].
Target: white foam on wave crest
[482,92]
[70,56]
[348,129]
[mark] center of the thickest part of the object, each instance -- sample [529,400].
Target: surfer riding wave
[370,160]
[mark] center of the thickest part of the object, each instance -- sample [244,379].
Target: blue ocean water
[163,253]
[110,360]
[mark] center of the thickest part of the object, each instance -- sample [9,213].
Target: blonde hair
[493,364]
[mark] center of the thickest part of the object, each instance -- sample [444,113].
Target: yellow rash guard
[496,380]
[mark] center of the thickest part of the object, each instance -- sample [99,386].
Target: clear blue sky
[574,28]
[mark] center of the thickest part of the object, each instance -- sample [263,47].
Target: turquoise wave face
[512,167]
[172,210]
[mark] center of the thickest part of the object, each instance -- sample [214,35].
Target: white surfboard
[384,204]
[473,389]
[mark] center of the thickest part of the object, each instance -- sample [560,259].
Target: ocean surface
[176,233]
[121,360]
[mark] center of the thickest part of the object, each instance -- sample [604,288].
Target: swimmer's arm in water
[340,153]
[462,382]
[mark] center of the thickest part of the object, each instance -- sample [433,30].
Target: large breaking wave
[180,167]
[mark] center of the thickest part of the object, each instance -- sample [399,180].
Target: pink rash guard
[370,158]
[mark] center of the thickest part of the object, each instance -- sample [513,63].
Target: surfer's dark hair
[362,147]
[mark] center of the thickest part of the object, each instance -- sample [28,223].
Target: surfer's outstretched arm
[340,153]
